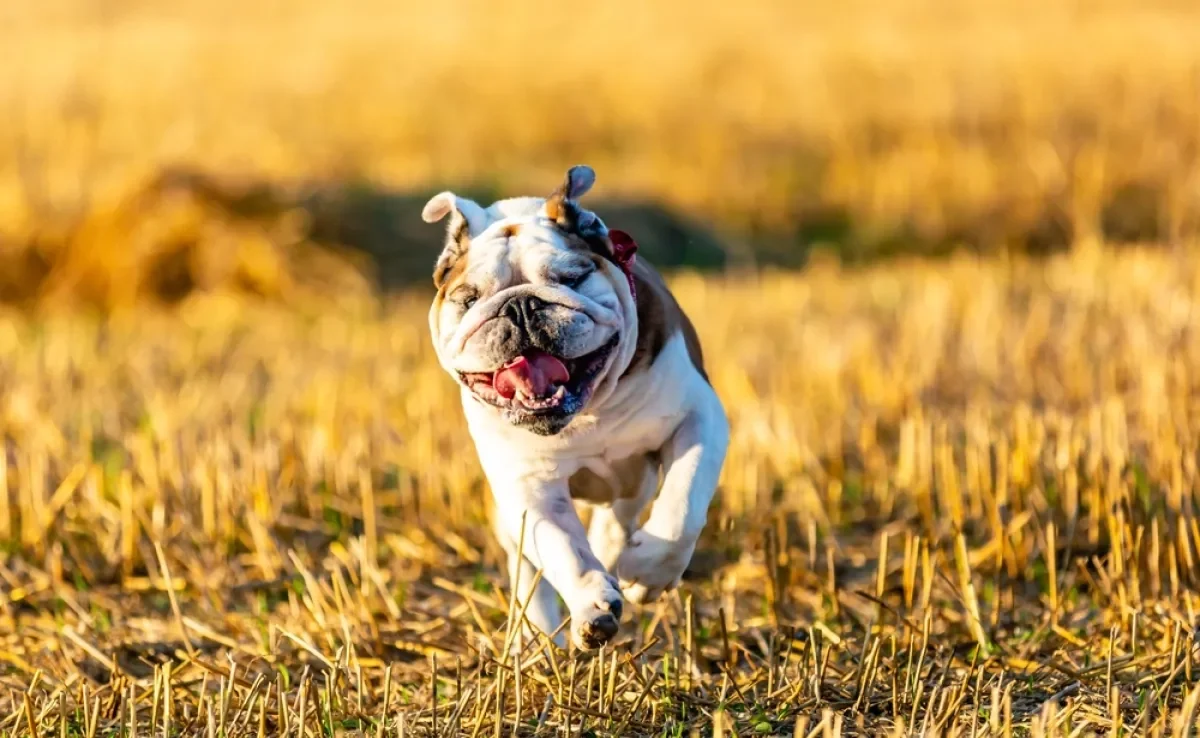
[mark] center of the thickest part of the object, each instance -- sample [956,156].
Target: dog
[582,380]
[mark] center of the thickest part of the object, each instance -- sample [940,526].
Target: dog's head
[533,314]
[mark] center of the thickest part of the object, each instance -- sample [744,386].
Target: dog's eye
[465,297]
[573,281]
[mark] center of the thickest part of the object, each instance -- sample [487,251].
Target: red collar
[624,254]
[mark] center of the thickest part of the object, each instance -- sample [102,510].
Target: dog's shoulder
[659,318]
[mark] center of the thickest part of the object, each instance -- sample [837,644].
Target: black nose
[522,308]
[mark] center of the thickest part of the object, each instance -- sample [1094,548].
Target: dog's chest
[606,454]
[603,481]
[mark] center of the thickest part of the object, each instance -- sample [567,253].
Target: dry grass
[879,124]
[961,498]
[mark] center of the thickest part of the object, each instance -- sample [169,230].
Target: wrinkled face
[528,317]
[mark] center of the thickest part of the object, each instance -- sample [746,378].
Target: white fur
[668,409]
[671,409]
[444,203]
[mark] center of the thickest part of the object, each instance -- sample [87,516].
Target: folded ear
[444,203]
[467,220]
[580,179]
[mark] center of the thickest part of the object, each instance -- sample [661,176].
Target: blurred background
[154,148]
[942,255]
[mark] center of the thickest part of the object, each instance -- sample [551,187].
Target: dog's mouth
[536,383]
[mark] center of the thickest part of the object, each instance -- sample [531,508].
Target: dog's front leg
[556,543]
[656,556]
[540,602]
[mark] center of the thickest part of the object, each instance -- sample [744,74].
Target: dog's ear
[579,180]
[564,209]
[467,220]
[444,203]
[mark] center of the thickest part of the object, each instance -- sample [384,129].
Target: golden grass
[879,123]
[960,498]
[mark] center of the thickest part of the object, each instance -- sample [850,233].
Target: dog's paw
[650,565]
[596,620]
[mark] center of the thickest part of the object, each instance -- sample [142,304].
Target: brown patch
[554,207]
[462,237]
[510,230]
[452,262]
[587,486]
[450,271]
[659,317]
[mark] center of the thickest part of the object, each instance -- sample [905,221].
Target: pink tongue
[536,374]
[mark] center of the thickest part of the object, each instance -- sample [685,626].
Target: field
[957,344]
[960,497]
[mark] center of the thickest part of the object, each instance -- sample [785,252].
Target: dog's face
[530,316]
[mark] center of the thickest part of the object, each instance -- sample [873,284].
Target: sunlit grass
[879,123]
[959,496]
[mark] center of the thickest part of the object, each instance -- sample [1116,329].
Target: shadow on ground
[384,229]
[387,227]
[188,231]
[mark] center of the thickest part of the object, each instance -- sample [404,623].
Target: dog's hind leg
[657,554]
[611,525]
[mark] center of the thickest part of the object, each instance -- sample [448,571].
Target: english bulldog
[581,380]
